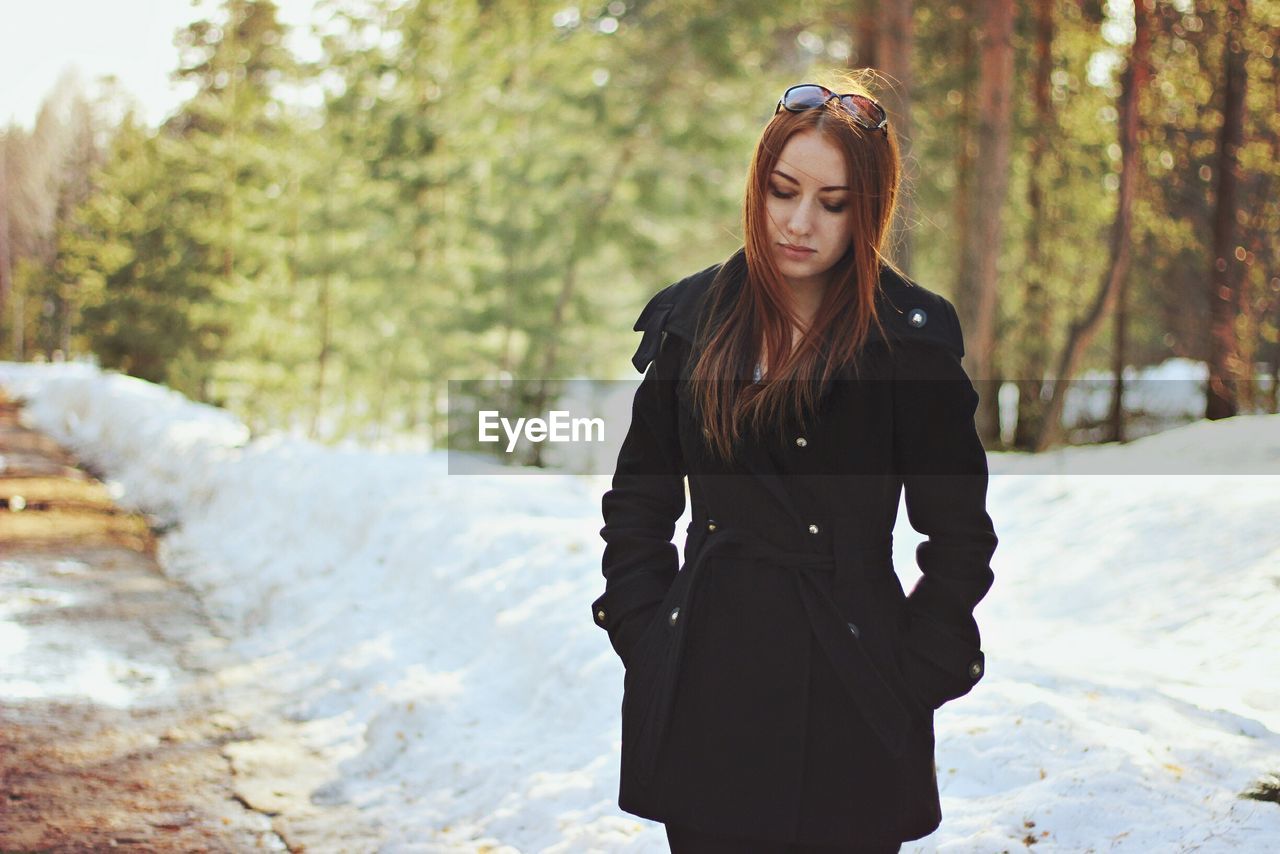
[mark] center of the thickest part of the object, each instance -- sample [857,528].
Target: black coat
[780,684]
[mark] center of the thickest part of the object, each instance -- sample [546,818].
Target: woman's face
[807,207]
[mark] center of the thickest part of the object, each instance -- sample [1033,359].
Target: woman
[780,686]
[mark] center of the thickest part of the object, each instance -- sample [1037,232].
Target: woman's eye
[781,195]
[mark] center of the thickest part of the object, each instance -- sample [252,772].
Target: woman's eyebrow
[794,181]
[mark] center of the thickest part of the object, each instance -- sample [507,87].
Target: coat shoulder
[912,313]
[672,310]
[908,311]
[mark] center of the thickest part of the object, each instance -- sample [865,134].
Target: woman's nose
[800,219]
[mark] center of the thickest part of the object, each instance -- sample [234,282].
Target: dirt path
[115,731]
[107,737]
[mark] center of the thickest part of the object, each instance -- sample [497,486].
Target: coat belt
[884,708]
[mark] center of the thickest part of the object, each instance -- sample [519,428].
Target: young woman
[780,686]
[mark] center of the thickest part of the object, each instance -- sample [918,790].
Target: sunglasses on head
[866,112]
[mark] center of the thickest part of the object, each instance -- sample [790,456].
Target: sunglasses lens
[868,112]
[805,97]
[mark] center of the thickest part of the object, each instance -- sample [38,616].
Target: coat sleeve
[944,473]
[646,500]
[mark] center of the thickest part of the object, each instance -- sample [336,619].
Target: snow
[49,662]
[432,631]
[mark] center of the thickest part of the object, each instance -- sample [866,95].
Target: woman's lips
[797,253]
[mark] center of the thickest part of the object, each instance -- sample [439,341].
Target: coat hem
[911,834]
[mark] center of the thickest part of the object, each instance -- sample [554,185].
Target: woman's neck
[806,296]
[805,300]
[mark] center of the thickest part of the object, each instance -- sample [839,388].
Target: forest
[491,189]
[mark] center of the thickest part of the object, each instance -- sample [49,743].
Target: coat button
[711,524]
[975,668]
[600,615]
[917,317]
[854,629]
[675,615]
[801,441]
[813,529]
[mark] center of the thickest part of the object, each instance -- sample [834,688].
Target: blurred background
[322,218]
[317,214]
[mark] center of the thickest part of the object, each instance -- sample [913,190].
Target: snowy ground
[431,632]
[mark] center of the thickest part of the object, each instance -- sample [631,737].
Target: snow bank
[435,630]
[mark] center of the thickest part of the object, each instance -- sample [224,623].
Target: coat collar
[908,311]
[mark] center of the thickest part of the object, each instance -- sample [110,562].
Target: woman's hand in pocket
[630,629]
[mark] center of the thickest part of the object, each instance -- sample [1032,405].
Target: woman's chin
[798,270]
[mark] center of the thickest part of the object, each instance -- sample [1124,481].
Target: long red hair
[760,318]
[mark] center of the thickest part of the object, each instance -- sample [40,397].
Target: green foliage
[491,190]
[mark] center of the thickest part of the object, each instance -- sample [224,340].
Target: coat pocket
[648,655]
[886,659]
[908,679]
[639,682]
[936,682]
[875,636]
[633,630]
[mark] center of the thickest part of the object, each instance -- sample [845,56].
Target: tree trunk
[1271,306]
[6,251]
[583,237]
[894,40]
[977,290]
[1082,332]
[1225,368]
[962,205]
[1037,318]
[1273,396]
[322,355]
[866,40]
[1115,418]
